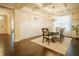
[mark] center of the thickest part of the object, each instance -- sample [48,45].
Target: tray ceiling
[50,8]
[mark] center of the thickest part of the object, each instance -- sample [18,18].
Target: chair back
[62,30]
[61,33]
[45,32]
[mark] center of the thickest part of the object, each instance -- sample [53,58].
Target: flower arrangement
[76,28]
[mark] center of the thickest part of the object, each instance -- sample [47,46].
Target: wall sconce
[1,18]
[35,18]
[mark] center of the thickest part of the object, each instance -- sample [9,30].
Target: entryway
[6,39]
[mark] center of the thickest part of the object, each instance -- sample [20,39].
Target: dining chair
[46,36]
[59,35]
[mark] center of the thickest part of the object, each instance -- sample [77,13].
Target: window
[63,22]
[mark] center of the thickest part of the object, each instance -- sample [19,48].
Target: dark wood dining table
[53,36]
[53,33]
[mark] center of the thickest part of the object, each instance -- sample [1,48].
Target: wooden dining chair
[59,36]
[46,38]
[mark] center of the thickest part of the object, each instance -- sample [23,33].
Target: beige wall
[29,24]
[8,13]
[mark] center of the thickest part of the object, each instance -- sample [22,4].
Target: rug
[58,47]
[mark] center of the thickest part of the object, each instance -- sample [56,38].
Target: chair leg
[52,39]
[43,40]
[61,40]
[48,41]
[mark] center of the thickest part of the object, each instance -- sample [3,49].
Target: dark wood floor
[5,44]
[28,48]
[23,48]
[73,49]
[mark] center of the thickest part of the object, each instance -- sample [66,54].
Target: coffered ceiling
[48,8]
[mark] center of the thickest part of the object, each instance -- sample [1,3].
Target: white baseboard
[27,38]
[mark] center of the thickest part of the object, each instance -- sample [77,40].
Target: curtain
[63,22]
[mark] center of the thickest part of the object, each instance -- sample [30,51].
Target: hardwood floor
[73,49]
[5,49]
[28,48]
[22,48]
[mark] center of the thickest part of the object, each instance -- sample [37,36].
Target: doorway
[5,35]
[3,24]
